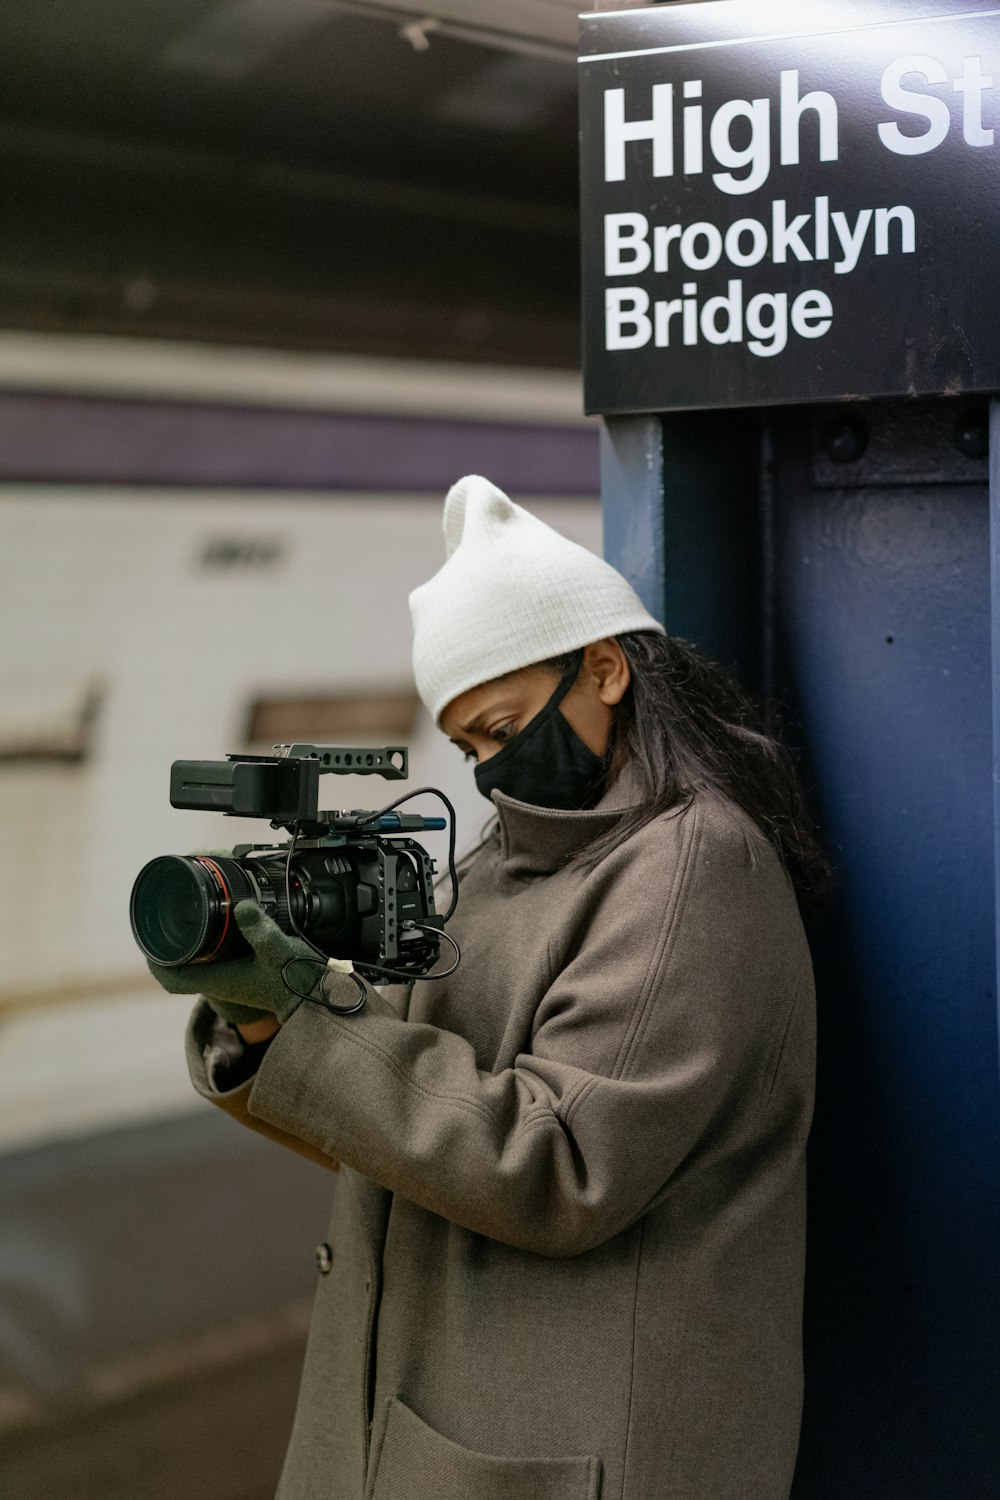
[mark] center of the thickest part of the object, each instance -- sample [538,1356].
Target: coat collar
[539,840]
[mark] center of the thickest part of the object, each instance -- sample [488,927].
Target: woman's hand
[250,991]
[259,1031]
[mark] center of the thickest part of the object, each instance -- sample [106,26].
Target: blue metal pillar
[847,571]
[632,497]
[660,477]
[995,644]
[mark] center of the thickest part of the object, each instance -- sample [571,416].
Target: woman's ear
[606,666]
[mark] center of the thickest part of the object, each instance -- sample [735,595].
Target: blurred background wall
[273,274]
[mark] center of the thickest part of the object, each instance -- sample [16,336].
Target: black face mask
[547,763]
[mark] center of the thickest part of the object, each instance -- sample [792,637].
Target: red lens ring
[227,903]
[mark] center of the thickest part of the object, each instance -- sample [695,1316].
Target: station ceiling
[303,173]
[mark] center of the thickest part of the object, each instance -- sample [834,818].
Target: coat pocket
[409,1459]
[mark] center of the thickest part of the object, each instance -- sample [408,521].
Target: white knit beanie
[512,593]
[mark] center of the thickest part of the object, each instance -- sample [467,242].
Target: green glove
[241,989]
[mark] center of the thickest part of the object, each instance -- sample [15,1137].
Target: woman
[567,1244]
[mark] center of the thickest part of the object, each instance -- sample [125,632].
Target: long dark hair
[685,728]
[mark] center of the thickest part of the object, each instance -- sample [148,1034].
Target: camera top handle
[392,762]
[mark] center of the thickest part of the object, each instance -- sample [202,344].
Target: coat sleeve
[233,1102]
[666,1021]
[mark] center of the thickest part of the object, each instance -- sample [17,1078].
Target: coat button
[324,1259]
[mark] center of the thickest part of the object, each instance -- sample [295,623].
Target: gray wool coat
[568,1231]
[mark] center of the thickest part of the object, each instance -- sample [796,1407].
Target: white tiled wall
[104,585]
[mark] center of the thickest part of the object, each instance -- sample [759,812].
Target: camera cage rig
[284,787]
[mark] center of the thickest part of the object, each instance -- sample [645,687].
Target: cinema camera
[353,885]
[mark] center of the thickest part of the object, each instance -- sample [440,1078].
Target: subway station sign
[790,201]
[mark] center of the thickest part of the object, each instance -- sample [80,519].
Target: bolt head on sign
[789,203]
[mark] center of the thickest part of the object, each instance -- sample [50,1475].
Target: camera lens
[182,909]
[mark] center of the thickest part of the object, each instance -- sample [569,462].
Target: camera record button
[324,1259]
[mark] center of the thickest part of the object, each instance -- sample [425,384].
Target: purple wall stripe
[61,439]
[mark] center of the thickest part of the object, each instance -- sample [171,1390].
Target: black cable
[402,973]
[398,974]
[321,998]
[339,1010]
[428,791]
[288,896]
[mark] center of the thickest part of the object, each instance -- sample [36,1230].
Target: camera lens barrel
[181,908]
